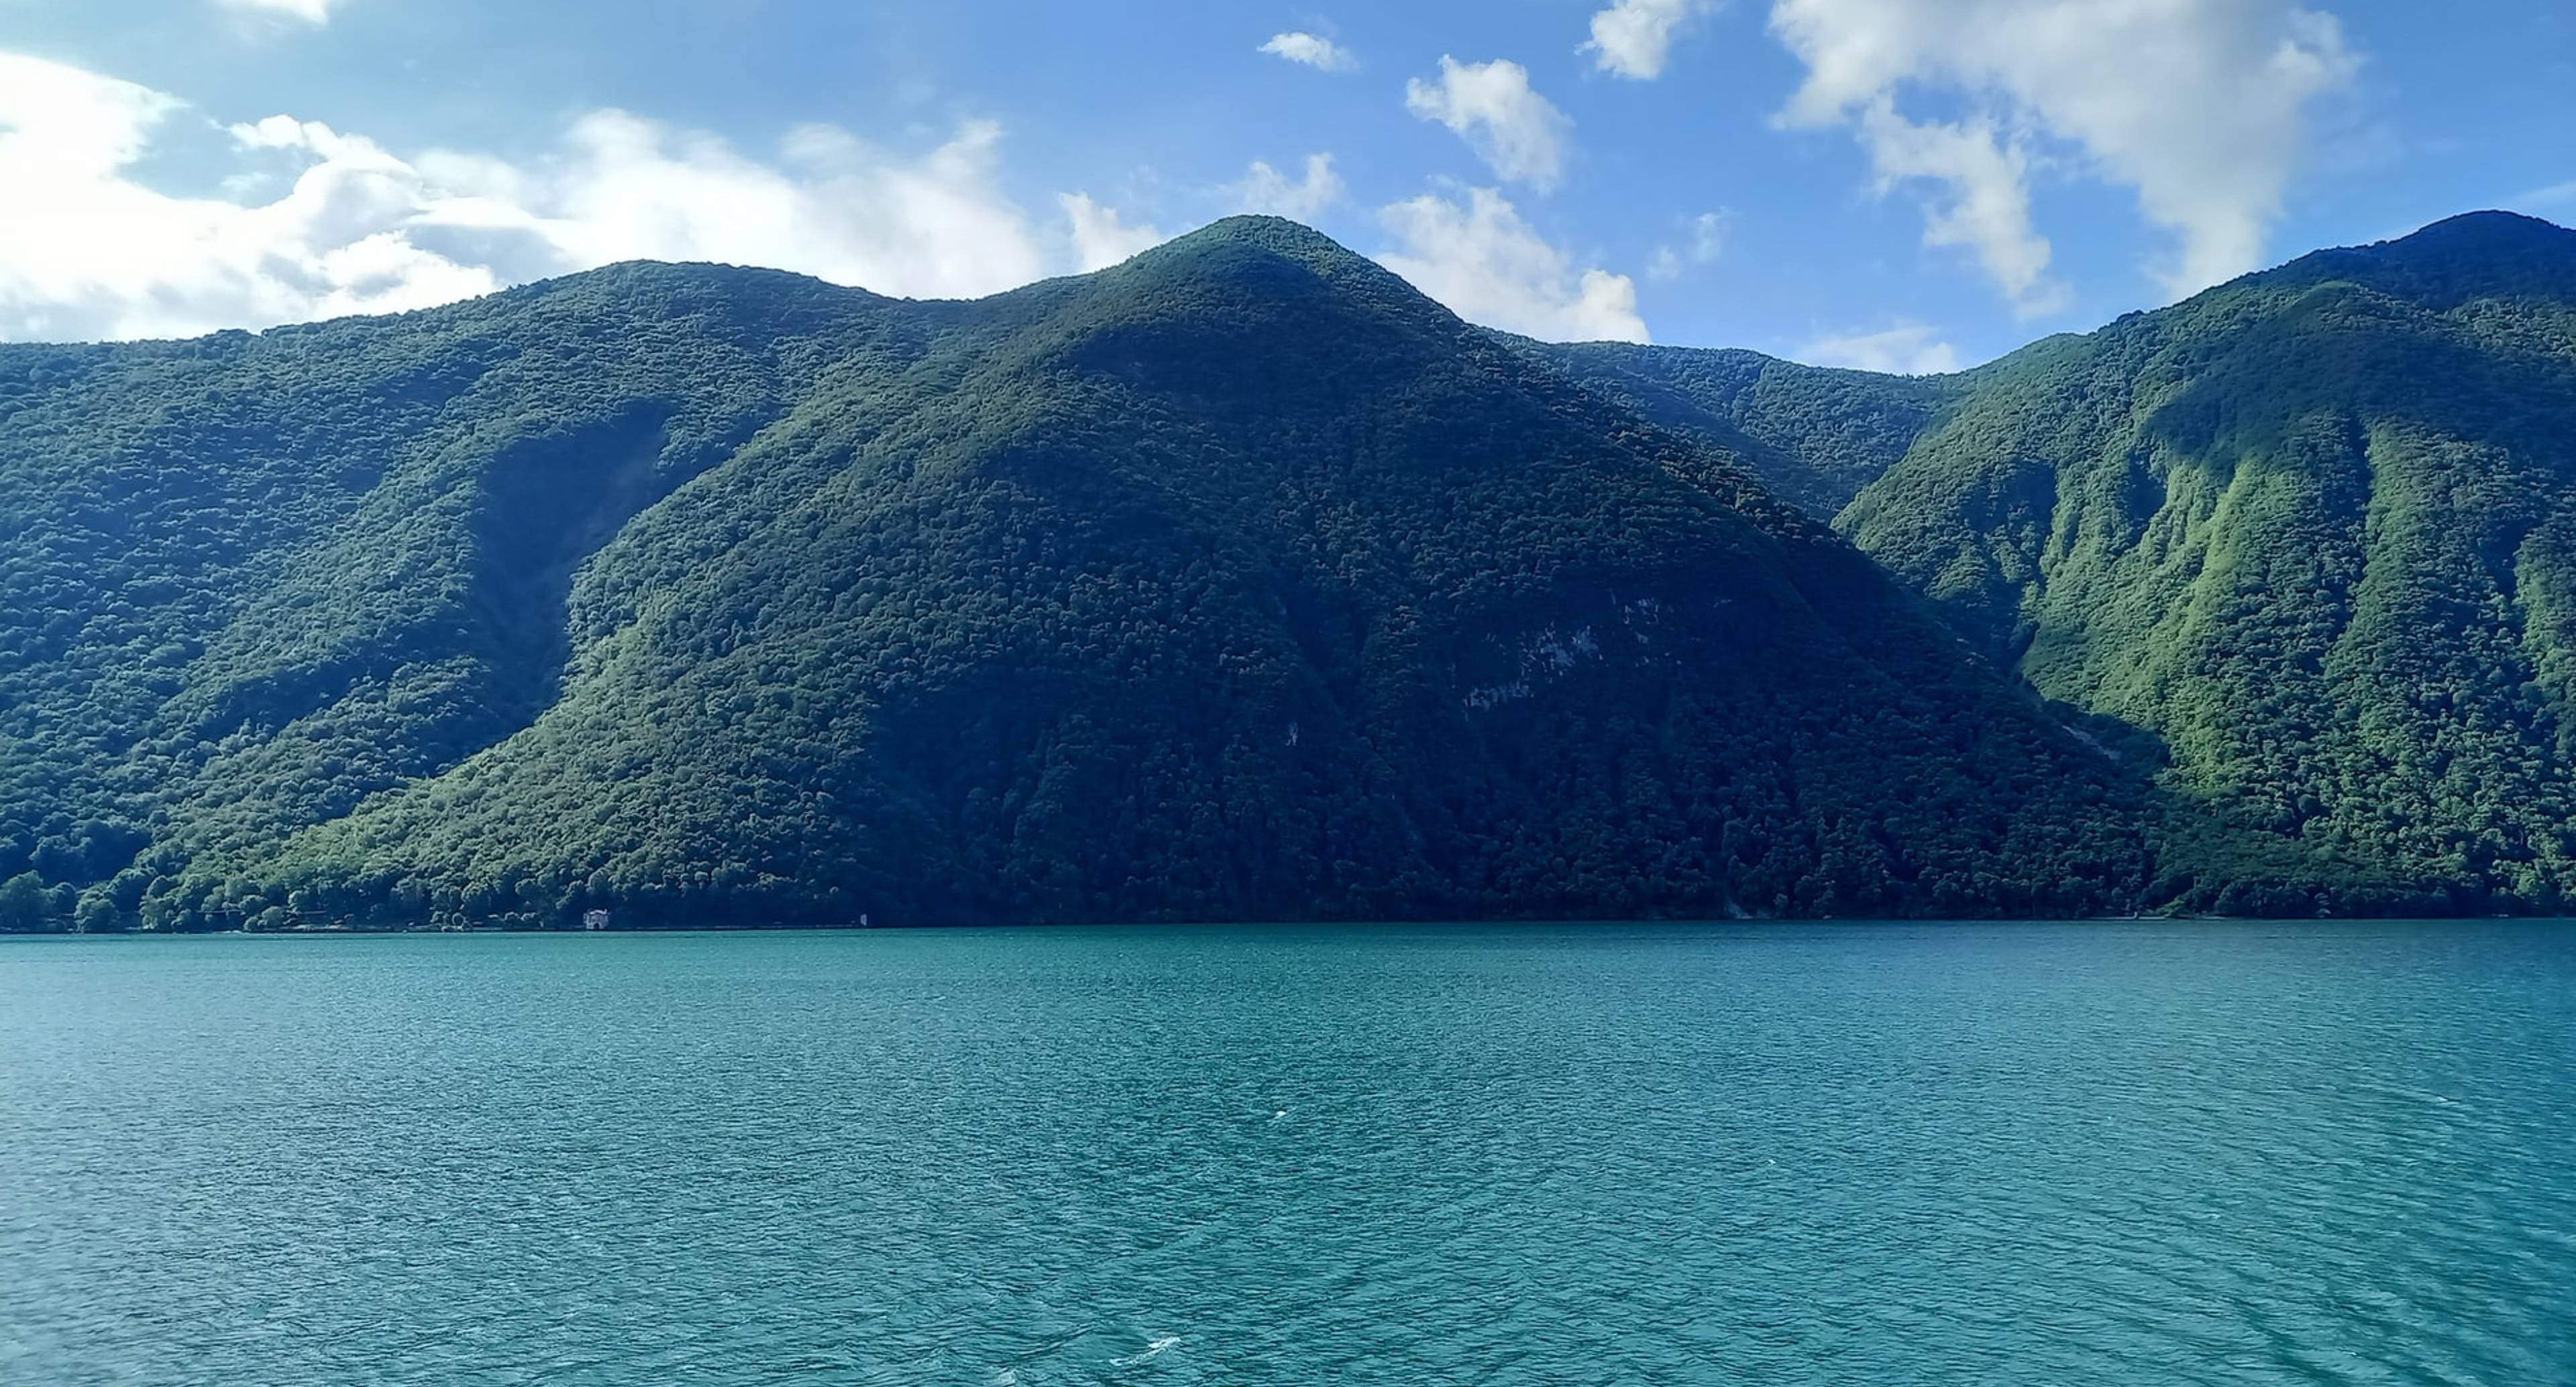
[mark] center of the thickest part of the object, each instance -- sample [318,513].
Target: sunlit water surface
[2042,1154]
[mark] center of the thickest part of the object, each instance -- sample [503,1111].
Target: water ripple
[1863,1155]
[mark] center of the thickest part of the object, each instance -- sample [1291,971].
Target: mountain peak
[1226,243]
[1233,286]
[2488,226]
[1257,229]
[2489,254]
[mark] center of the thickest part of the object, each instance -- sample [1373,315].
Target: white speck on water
[1153,1349]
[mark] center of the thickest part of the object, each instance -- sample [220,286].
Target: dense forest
[1240,581]
[1815,437]
[2306,543]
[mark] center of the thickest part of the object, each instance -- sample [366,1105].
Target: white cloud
[2200,106]
[1100,238]
[2556,195]
[1312,51]
[1907,349]
[1516,131]
[86,252]
[833,206]
[1267,191]
[1632,38]
[1984,206]
[1491,267]
[311,11]
[90,251]
[1705,243]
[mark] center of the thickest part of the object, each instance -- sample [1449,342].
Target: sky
[1910,185]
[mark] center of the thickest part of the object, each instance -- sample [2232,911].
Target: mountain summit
[2477,255]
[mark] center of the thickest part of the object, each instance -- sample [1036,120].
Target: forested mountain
[1814,436]
[2307,540]
[2315,530]
[1237,582]
[1241,581]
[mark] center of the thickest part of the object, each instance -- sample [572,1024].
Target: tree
[25,905]
[97,913]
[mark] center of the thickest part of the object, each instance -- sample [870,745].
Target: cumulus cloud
[1634,37]
[832,205]
[311,11]
[89,250]
[1269,192]
[1489,266]
[2200,106]
[1907,349]
[1517,132]
[1100,238]
[1313,51]
[1703,243]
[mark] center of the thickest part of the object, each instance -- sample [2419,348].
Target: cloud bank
[319,222]
[88,252]
[2202,107]
[316,222]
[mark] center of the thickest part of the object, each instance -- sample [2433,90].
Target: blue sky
[1906,184]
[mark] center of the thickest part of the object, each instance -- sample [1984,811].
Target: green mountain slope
[1815,437]
[1237,582]
[252,581]
[2313,533]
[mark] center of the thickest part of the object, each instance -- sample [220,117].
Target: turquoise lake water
[1868,1155]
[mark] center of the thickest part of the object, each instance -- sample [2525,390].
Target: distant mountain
[1814,437]
[1236,582]
[2307,539]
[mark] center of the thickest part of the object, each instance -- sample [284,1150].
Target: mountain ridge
[1237,581]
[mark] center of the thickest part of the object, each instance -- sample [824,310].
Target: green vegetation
[1815,437]
[1242,582]
[1237,582]
[253,581]
[2310,536]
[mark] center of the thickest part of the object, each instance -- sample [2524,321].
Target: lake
[1833,1154]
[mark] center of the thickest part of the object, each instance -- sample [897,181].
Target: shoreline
[1186,925]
